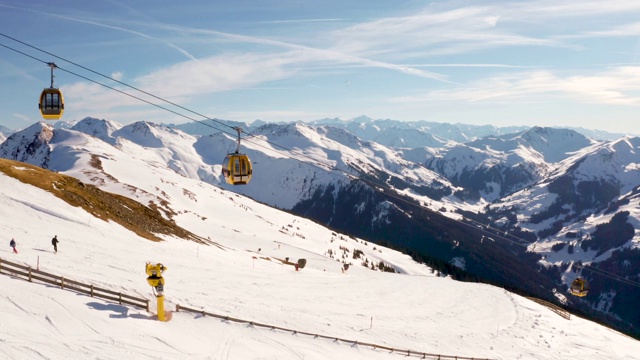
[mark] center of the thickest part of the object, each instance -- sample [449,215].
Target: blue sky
[547,62]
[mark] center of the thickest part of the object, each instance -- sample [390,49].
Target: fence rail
[553,307]
[404,352]
[30,274]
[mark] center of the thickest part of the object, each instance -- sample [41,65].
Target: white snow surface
[412,309]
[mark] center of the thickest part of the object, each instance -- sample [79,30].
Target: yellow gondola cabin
[236,168]
[579,287]
[51,103]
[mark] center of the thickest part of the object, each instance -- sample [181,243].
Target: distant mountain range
[525,208]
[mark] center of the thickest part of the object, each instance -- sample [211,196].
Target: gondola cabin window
[52,101]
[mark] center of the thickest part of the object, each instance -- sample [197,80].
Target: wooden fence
[553,307]
[404,352]
[30,274]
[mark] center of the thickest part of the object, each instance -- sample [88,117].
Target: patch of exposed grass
[145,221]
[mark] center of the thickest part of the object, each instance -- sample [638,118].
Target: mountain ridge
[289,182]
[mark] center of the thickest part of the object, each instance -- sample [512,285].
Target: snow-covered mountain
[586,212]
[29,145]
[4,132]
[495,166]
[384,131]
[428,201]
[240,272]
[411,134]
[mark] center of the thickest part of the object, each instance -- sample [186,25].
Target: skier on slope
[13,245]
[55,242]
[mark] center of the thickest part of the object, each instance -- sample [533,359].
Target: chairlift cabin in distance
[236,167]
[51,101]
[579,287]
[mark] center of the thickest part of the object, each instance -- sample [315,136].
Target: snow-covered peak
[30,145]
[617,162]
[101,129]
[212,126]
[409,138]
[457,159]
[328,121]
[145,133]
[342,136]
[280,130]
[5,131]
[553,144]
[362,119]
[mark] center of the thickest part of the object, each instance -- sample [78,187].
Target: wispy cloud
[320,54]
[276,115]
[138,33]
[618,86]
[479,65]
[441,35]
[289,21]
[219,73]
[118,75]
[570,9]
[83,96]
[104,25]
[435,32]
[8,69]
[23,118]
[625,30]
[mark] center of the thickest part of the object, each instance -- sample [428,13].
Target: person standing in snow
[13,245]
[55,242]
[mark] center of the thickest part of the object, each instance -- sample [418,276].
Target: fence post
[91,290]
[120,298]
[61,282]
[29,273]
[177,307]
[147,305]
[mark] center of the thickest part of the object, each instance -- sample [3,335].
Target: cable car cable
[115,89]
[315,163]
[117,81]
[142,91]
[375,186]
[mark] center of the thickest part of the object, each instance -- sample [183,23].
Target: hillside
[439,215]
[411,309]
[145,221]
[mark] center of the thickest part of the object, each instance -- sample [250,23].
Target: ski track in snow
[47,211]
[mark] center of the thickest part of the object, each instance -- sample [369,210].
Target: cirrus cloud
[618,86]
